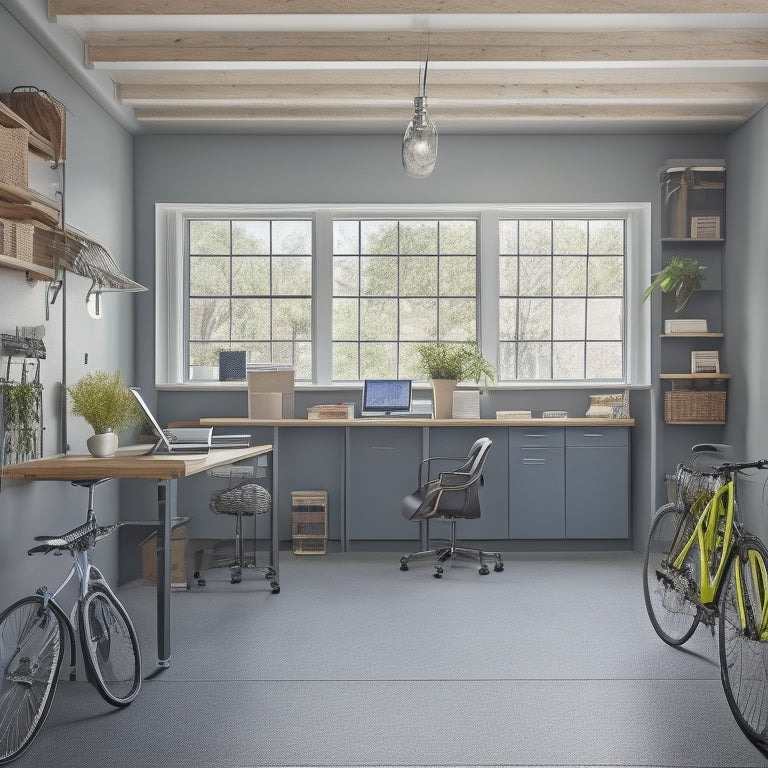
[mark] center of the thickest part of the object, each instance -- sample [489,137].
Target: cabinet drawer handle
[534,461]
[538,435]
[593,434]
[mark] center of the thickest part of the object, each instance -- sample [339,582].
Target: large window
[398,283]
[550,293]
[250,288]
[561,299]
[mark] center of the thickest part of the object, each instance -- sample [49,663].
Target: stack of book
[513,415]
[689,325]
[331,411]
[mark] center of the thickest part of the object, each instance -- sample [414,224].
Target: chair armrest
[426,464]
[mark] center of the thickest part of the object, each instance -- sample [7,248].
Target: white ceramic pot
[103,444]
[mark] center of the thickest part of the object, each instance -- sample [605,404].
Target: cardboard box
[265,405]
[179,546]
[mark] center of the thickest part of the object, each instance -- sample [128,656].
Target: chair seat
[247,499]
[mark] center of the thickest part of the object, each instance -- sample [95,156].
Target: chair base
[451,552]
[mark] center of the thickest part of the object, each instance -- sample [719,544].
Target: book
[331,411]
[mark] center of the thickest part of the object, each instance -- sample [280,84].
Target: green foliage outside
[104,401]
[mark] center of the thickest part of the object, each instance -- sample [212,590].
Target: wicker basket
[14,156]
[46,116]
[694,407]
[17,239]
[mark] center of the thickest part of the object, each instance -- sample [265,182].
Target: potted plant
[683,275]
[21,416]
[448,364]
[104,401]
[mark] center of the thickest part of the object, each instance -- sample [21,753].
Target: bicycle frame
[711,539]
[88,574]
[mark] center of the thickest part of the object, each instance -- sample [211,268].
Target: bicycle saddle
[70,539]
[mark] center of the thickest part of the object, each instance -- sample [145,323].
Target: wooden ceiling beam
[388,7]
[754,93]
[599,46]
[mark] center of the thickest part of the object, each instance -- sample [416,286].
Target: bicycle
[33,631]
[701,566]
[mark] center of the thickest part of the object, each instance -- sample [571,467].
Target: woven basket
[245,499]
[14,156]
[694,407]
[46,116]
[688,484]
[17,239]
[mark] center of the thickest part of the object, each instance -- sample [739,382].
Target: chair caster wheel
[275,587]
[499,567]
[403,566]
[484,570]
[438,573]
[235,578]
[200,579]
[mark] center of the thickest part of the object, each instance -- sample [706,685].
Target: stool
[243,500]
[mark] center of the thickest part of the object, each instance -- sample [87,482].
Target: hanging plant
[21,417]
[683,275]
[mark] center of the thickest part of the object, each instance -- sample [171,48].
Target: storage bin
[694,407]
[14,156]
[309,522]
[179,547]
[17,239]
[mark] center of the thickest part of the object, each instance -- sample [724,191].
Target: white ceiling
[495,66]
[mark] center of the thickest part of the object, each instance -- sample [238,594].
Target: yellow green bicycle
[701,566]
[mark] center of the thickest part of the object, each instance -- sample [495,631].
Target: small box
[706,227]
[232,365]
[265,405]
[309,522]
[179,566]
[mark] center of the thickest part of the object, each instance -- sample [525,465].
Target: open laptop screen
[386,395]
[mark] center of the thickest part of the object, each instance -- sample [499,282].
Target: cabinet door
[597,483]
[536,483]
[494,500]
[383,468]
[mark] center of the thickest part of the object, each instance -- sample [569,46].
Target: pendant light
[420,139]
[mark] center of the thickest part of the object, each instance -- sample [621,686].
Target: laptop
[196,441]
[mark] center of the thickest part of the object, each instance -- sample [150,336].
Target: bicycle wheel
[743,652]
[669,591]
[110,647]
[31,650]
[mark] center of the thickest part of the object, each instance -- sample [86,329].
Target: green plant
[22,416]
[680,271]
[104,402]
[455,361]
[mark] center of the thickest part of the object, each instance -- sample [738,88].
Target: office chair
[452,495]
[243,500]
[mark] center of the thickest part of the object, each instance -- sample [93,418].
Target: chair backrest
[460,488]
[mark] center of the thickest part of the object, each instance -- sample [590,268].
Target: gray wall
[745,286]
[366,169]
[99,183]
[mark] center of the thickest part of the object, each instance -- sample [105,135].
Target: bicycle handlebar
[738,466]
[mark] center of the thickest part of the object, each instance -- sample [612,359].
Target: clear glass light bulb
[420,142]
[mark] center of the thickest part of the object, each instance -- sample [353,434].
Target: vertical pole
[166,509]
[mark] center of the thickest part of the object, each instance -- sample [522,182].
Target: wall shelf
[37,143]
[694,375]
[700,335]
[34,271]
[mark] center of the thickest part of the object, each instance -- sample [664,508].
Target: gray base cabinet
[597,483]
[493,522]
[382,468]
[536,483]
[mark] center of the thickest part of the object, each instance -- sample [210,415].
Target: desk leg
[274,514]
[166,510]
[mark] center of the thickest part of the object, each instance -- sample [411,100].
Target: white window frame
[170,299]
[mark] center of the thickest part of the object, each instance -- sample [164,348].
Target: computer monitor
[386,396]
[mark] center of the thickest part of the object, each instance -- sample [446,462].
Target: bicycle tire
[110,647]
[31,652]
[743,654]
[673,614]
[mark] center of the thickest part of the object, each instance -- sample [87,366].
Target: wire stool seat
[246,499]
